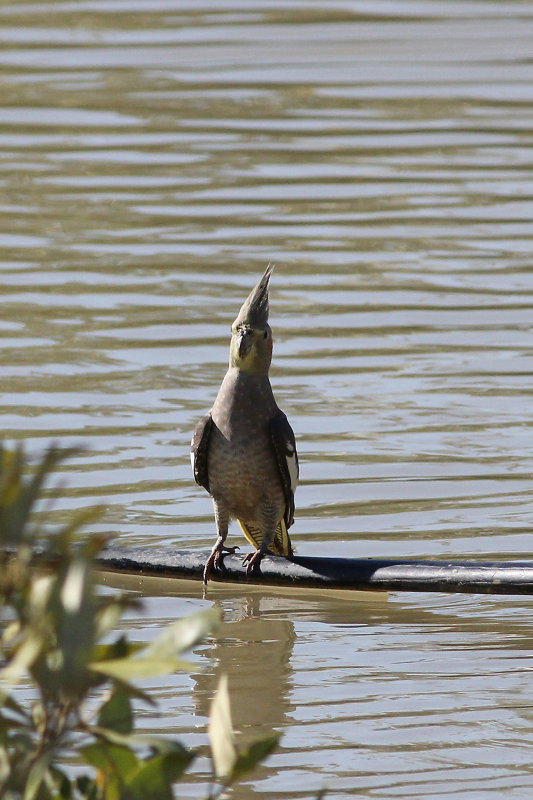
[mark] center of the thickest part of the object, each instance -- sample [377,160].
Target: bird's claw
[215,558]
[252,560]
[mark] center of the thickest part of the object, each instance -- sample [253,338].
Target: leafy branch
[55,629]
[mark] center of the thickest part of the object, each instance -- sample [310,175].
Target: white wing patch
[193,454]
[292,464]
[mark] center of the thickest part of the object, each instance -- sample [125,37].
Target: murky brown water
[154,156]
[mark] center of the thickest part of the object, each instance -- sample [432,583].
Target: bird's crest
[254,310]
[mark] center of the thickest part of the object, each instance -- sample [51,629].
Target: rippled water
[154,156]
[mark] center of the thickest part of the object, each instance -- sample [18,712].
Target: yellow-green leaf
[36,777]
[155,776]
[128,669]
[111,759]
[253,755]
[25,655]
[220,730]
[183,634]
[116,713]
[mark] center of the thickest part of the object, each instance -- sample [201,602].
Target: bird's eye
[265,335]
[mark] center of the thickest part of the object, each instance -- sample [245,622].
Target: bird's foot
[252,560]
[215,558]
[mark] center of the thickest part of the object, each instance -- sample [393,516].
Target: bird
[243,452]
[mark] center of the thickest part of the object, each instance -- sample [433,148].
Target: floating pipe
[371,574]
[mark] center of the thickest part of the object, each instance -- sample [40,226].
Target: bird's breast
[241,463]
[242,471]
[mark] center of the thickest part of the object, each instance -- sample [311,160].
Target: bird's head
[251,337]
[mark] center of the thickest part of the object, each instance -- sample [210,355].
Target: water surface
[154,156]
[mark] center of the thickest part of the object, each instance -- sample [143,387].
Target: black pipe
[487,577]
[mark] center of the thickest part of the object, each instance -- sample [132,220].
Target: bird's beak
[245,339]
[254,310]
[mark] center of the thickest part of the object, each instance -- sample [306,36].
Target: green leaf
[25,655]
[36,777]
[57,781]
[155,777]
[103,653]
[256,752]
[150,781]
[5,764]
[141,778]
[110,613]
[228,763]
[75,624]
[220,731]
[183,634]
[86,787]
[160,656]
[128,669]
[111,759]
[138,740]
[18,495]
[119,649]
[110,652]
[116,714]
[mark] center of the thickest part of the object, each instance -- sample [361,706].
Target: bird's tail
[280,544]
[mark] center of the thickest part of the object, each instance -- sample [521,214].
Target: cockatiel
[243,452]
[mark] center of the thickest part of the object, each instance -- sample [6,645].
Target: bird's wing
[280,545]
[199,450]
[285,449]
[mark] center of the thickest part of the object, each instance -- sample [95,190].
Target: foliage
[56,634]
[228,763]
